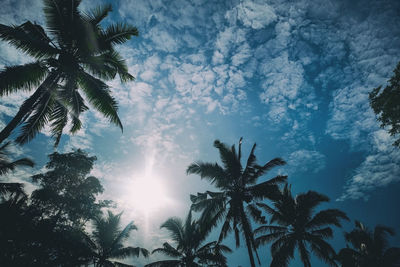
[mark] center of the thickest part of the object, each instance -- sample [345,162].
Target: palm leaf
[212,172]
[118,33]
[175,227]
[25,77]
[99,96]
[126,252]
[168,250]
[38,119]
[30,38]
[326,217]
[99,13]
[165,263]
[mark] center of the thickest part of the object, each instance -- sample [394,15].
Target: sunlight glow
[147,194]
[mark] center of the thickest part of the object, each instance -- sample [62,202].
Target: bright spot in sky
[147,194]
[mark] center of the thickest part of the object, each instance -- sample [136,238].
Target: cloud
[306,161]
[379,169]
[252,14]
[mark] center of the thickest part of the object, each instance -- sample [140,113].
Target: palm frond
[99,13]
[165,263]
[118,33]
[229,159]
[261,170]
[26,77]
[304,254]
[282,253]
[126,252]
[11,188]
[62,18]
[264,190]
[29,38]
[322,249]
[327,217]
[38,119]
[210,171]
[59,119]
[99,96]
[124,234]
[168,250]
[175,227]
[255,213]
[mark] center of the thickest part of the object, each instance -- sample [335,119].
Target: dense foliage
[386,104]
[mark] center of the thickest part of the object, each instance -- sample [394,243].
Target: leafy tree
[7,165]
[235,203]
[367,249]
[386,104]
[107,241]
[47,228]
[189,251]
[298,227]
[76,56]
[67,195]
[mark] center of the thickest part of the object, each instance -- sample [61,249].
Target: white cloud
[306,161]
[379,169]
[252,14]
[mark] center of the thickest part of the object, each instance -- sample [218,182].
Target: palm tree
[108,241]
[189,251]
[6,165]
[298,226]
[367,249]
[235,203]
[77,54]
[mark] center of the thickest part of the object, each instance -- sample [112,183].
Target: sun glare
[148,193]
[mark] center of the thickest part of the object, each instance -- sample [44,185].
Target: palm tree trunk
[250,252]
[27,106]
[246,228]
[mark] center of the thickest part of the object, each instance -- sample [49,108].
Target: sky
[292,76]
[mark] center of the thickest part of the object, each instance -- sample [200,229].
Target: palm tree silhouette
[239,191]
[367,249]
[189,251]
[78,54]
[297,226]
[107,241]
[7,165]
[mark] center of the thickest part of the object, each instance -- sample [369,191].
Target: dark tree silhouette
[107,241]
[67,195]
[47,228]
[7,165]
[369,248]
[76,56]
[189,251]
[235,204]
[386,104]
[298,227]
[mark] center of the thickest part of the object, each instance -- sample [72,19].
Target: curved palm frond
[175,226]
[27,76]
[99,96]
[29,38]
[168,250]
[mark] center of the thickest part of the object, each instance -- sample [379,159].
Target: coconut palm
[189,251]
[298,227]
[367,249]
[76,56]
[235,203]
[7,165]
[108,240]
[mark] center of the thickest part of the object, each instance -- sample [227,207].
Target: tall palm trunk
[28,105]
[247,233]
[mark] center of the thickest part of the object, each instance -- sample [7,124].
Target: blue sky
[293,76]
